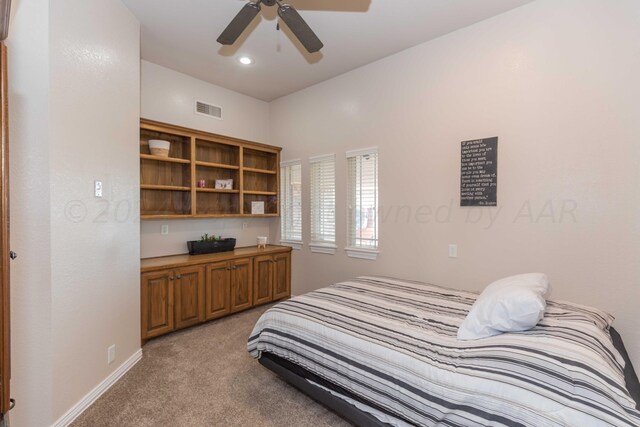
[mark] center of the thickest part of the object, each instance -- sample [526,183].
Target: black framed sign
[479,172]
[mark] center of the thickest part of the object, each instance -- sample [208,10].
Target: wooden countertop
[174,261]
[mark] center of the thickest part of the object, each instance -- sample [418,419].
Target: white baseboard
[94,394]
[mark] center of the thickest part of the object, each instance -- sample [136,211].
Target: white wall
[31,348]
[74,108]
[94,134]
[169,96]
[557,83]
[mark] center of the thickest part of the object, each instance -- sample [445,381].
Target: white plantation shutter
[362,199]
[323,200]
[291,201]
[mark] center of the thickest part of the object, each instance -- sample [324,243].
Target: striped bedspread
[393,343]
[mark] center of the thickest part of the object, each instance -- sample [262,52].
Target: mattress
[391,344]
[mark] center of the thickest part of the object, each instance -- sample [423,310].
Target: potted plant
[210,244]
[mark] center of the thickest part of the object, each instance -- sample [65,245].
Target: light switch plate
[164,229]
[111,354]
[453,251]
[98,188]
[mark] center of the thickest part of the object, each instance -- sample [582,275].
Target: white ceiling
[181,35]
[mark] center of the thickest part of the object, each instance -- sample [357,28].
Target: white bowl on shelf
[159,147]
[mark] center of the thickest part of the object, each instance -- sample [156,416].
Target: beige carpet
[204,376]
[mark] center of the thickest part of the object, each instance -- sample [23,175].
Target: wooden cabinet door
[157,303]
[281,276]
[241,284]
[217,290]
[189,296]
[263,279]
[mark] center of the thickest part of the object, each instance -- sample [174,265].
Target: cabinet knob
[170,277]
[179,276]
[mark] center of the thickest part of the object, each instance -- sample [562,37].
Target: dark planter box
[198,248]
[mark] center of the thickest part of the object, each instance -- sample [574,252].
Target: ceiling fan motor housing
[269,2]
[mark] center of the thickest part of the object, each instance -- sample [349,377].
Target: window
[362,199]
[291,203]
[323,204]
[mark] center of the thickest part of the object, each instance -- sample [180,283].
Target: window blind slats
[323,200]
[291,202]
[363,200]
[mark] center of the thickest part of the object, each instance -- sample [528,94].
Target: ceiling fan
[289,15]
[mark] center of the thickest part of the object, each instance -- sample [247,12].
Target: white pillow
[515,303]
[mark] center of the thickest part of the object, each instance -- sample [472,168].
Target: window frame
[353,249]
[285,176]
[324,246]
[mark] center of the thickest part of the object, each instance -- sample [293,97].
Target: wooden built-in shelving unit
[168,185]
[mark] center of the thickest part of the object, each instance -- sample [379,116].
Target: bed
[383,351]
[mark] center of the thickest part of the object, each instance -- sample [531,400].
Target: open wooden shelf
[217,165]
[208,203]
[165,216]
[259,183]
[169,185]
[180,143]
[216,190]
[270,203]
[260,160]
[164,159]
[216,152]
[261,193]
[270,172]
[164,203]
[164,188]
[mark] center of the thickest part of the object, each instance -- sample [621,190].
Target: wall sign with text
[479,172]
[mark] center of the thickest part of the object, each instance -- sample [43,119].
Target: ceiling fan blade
[239,23]
[299,28]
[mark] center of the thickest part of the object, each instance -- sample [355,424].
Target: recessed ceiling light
[245,60]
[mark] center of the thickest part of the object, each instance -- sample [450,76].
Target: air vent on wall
[208,110]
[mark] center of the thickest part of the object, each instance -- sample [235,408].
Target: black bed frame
[298,377]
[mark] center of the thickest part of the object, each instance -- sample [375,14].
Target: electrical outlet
[98,188]
[111,354]
[164,229]
[245,225]
[453,251]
